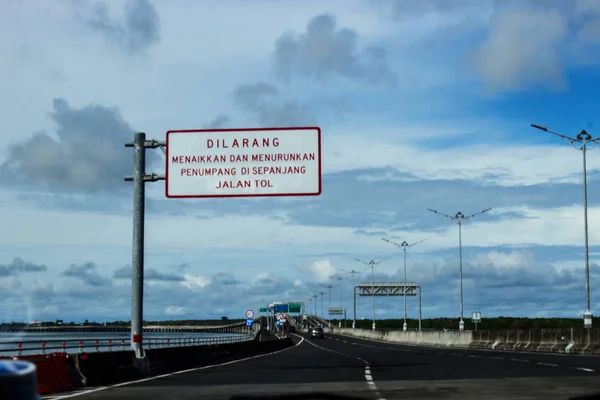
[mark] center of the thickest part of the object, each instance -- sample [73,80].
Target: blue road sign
[281,308]
[278,322]
[249,322]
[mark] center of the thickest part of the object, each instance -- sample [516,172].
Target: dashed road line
[477,356]
[548,364]
[583,369]
[368,376]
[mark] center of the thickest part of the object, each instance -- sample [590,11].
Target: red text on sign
[245,142]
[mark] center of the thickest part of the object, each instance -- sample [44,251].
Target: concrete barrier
[569,341]
[441,338]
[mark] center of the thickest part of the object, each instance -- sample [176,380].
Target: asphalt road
[373,370]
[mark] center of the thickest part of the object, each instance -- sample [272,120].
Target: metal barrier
[109,344]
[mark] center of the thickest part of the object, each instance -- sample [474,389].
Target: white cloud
[192,281]
[322,270]
[501,164]
[175,310]
[523,48]
[499,259]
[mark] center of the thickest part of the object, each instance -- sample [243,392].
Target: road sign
[294,308]
[282,320]
[243,162]
[249,314]
[476,317]
[249,322]
[278,322]
[278,316]
[281,308]
[263,310]
[335,311]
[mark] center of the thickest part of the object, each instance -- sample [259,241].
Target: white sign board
[476,316]
[243,162]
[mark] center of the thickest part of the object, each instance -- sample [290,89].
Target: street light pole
[372,264]
[322,293]
[341,308]
[583,142]
[460,217]
[329,287]
[404,246]
[353,275]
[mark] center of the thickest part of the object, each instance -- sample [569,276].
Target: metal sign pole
[139,178]
[354,297]
[137,272]
[419,287]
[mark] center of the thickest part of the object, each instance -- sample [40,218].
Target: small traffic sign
[249,314]
[278,322]
[249,322]
[278,316]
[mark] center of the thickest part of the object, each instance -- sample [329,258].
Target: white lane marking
[368,376]
[550,365]
[473,356]
[497,358]
[516,359]
[175,373]
[583,369]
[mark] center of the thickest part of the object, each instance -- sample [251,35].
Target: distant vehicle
[317,333]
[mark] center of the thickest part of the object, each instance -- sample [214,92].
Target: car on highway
[317,333]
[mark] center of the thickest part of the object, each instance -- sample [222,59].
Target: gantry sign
[386,289]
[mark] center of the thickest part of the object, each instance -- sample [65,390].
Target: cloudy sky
[422,105]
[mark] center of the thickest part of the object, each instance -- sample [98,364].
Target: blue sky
[421,104]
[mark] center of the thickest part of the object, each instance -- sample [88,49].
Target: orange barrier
[52,372]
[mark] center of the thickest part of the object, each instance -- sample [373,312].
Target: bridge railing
[30,347]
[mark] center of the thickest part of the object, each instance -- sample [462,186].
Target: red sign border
[241,130]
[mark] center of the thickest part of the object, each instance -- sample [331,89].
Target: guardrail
[109,344]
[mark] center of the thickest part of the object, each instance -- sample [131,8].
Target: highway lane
[401,372]
[302,368]
[375,371]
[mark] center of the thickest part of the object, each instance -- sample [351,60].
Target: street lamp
[460,217]
[329,287]
[322,293]
[341,308]
[584,142]
[372,264]
[352,273]
[404,246]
